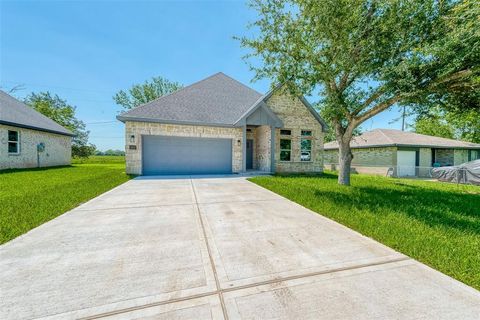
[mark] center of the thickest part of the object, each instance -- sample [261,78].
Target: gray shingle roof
[18,114]
[391,137]
[216,100]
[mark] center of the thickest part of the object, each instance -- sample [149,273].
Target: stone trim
[133,157]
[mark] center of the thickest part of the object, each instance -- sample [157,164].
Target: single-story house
[28,139]
[402,153]
[218,125]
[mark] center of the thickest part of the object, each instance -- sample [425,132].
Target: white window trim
[17,142]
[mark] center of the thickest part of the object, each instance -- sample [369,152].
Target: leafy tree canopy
[61,112]
[330,133]
[461,125]
[363,57]
[142,93]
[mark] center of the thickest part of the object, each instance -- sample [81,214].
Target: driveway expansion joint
[220,290]
[212,263]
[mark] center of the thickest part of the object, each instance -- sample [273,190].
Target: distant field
[100,159]
[30,197]
[435,223]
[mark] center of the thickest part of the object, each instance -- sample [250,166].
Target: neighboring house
[29,139]
[402,153]
[219,125]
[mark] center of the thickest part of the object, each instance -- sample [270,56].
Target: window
[306,133]
[285,132]
[306,146]
[13,142]
[285,149]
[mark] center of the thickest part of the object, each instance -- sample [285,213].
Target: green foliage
[83,151]
[30,197]
[110,160]
[460,124]
[330,133]
[110,152]
[142,93]
[434,127]
[363,57]
[61,112]
[435,223]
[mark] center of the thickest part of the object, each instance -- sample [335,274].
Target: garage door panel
[186,155]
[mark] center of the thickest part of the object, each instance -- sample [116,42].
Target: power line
[106,137]
[102,122]
[54,86]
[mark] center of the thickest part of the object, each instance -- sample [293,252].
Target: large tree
[61,112]
[145,92]
[364,56]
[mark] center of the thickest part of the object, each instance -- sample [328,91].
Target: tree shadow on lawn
[432,207]
[35,169]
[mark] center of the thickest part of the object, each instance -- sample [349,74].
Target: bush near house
[435,223]
[30,197]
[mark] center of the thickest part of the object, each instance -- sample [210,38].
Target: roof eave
[25,126]
[407,146]
[187,123]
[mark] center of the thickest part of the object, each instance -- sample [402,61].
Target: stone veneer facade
[133,157]
[291,111]
[58,149]
[296,117]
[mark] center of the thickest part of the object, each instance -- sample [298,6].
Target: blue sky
[85,51]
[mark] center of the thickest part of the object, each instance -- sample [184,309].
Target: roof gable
[391,137]
[18,114]
[304,101]
[216,100]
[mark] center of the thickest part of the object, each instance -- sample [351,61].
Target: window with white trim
[306,145]
[285,149]
[13,142]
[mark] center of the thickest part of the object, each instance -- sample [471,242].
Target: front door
[249,154]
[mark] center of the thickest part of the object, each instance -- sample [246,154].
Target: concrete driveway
[214,248]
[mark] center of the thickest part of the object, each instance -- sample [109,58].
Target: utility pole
[403,119]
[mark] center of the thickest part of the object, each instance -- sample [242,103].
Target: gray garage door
[181,155]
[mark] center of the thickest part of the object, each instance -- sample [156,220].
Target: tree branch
[376,110]
[377,94]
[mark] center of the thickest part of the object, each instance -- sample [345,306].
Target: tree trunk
[345,157]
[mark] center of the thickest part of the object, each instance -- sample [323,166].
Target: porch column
[272,149]
[244,148]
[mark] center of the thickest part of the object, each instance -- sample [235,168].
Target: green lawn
[435,223]
[30,197]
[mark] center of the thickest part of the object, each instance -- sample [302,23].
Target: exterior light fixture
[132,138]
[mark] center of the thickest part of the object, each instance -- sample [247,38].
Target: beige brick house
[219,125]
[402,153]
[28,139]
